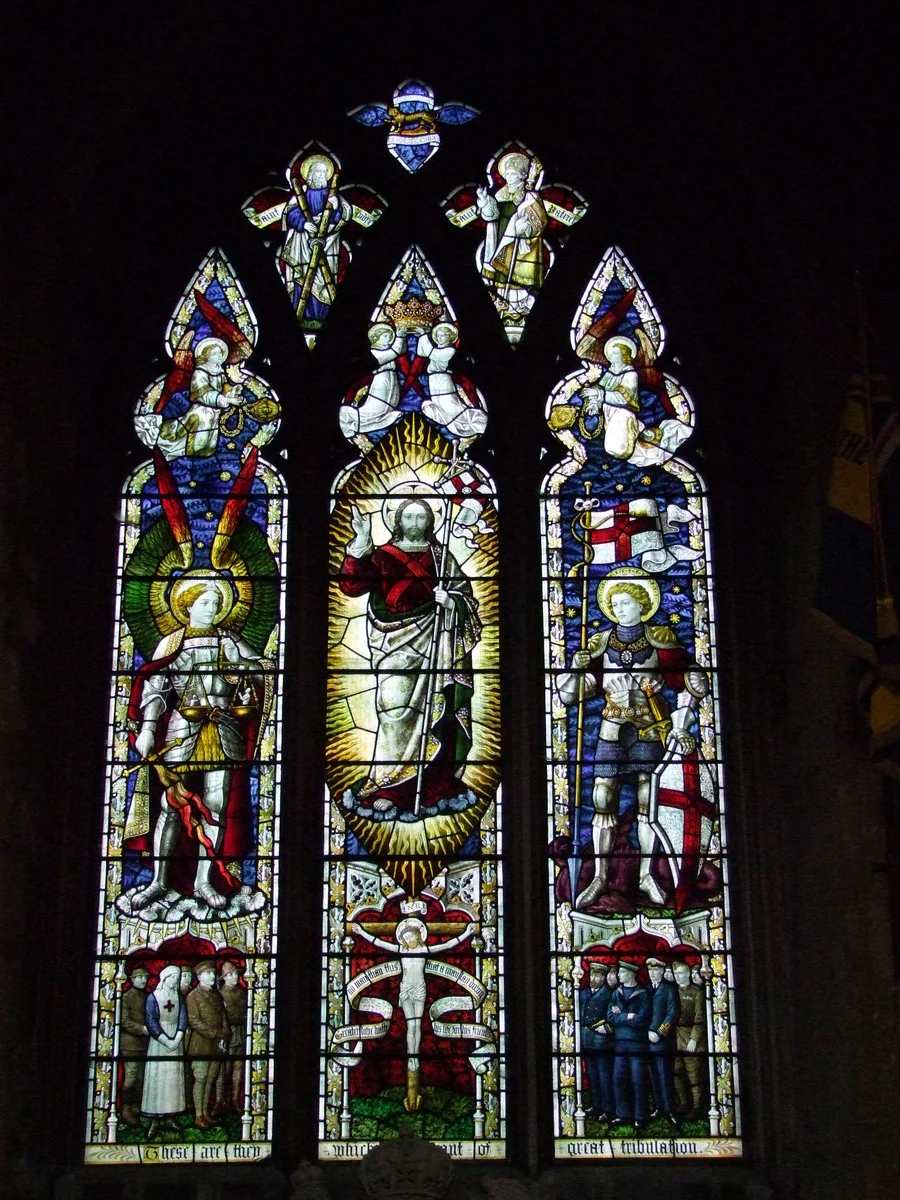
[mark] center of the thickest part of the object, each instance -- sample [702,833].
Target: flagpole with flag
[880,687]
[575,824]
[854,592]
[860,564]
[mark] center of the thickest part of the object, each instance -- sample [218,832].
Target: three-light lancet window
[413,1023]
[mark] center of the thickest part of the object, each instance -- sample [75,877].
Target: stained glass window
[412,120]
[519,215]
[642,974]
[412,1019]
[181,1067]
[313,216]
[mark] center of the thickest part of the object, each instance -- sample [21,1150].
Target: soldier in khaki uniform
[207,1040]
[133,1040]
[690,1063]
[235,999]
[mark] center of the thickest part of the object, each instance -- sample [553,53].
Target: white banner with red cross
[633,529]
[468,493]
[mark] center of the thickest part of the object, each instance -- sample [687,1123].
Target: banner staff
[574,857]
[435,635]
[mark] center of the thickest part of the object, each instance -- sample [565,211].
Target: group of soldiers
[183,1044]
[643,1041]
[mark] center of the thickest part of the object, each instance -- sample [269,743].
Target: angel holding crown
[447,404]
[380,403]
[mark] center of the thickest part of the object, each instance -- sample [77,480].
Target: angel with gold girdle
[196,701]
[198,705]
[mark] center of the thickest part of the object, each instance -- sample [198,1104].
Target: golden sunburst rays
[352,723]
[351,727]
[414,852]
[412,455]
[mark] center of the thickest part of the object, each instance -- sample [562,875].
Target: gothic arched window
[413,1027]
[640,928]
[184,984]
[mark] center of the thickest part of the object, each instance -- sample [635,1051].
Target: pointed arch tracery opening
[182,1054]
[642,972]
[413,1029]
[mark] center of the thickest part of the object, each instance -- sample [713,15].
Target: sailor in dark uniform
[597,1039]
[662,1035]
[629,1014]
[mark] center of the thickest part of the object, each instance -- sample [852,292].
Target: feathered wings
[179,378]
[166,550]
[563,205]
[412,120]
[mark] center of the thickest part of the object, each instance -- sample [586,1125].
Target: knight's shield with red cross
[682,811]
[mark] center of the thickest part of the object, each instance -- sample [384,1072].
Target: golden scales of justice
[195,704]
[196,707]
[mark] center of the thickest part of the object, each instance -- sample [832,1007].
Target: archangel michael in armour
[197,707]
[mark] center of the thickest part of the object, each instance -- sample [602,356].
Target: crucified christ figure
[413,950]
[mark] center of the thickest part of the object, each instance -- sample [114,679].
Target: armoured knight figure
[629,665]
[199,702]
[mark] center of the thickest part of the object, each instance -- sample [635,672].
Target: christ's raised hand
[361,522]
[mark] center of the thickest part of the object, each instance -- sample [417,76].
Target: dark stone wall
[738,157]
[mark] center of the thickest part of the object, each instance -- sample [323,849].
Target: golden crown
[414,311]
